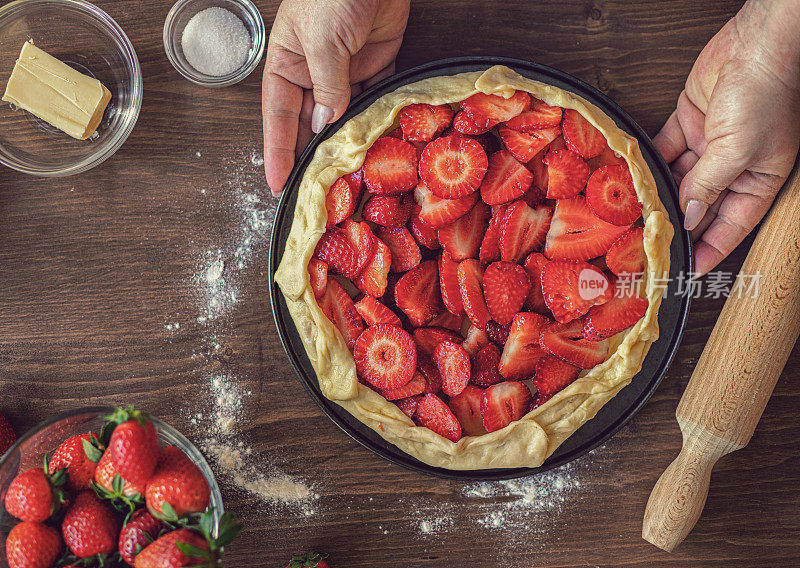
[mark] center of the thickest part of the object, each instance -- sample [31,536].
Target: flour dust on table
[217,281]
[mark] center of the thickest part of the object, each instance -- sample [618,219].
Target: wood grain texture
[94,267]
[736,373]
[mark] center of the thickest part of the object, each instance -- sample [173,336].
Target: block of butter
[56,93]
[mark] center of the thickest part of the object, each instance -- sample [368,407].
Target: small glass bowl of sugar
[214,43]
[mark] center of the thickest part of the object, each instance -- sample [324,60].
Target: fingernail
[320,117]
[695,211]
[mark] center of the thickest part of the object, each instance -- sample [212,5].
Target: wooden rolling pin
[736,373]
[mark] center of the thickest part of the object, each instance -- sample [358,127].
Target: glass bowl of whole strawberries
[109,487]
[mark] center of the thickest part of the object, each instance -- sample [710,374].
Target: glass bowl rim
[105,410]
[258,45]
[129,55]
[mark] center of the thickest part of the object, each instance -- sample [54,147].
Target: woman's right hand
[320,53]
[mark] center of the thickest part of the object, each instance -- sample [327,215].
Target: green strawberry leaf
[92,452]
[191,550]
[309,560]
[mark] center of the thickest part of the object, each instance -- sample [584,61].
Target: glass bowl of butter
[70,83]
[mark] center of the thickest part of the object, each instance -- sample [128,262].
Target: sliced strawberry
[566,174]
[505,179]
[462,238]
[428,338]
[619,313]
[463,124]
[438,212]
[435,415]
[374,312]
[484,367]
[576,233]
[565,341]
[470,283]
[424,233]
[453,364]
[396,133]
[571,287]
[611,196]
[475,341]
[390,166]
[504,403]
[553,375]
[422,122]
[385,356]
[356,181]
[538,400]
[417,293]
[338,307]
[540,115]
[335,249]
[534,196]
[557,144]
[448,284]
[521,351]
[533,266]
[523,230]
[448,320]
[318,276]
[505,287]
[405,251]
[415,386]
[362,240]
[497,334]
[626,257]
[490,245]
[433,380]
[340,202]
[539,170]
[388,210]
[467,408]
[488,110]
[524,146]
[408,405]
[373,279]
[581,136]
[607,157]
[453,166]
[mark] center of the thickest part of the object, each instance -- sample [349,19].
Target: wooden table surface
[97,269]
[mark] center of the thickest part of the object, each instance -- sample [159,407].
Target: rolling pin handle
[680,494]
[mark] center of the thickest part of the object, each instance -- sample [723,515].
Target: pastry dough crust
[526,442]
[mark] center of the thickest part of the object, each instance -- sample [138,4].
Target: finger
[670,140]
[682,165]
[355,90]
[710,215]
[717,167]
[281,101]
[738,215]
[304,133]
[329,68]
[693,124]
[387,71]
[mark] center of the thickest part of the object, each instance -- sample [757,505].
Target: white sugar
[216,42]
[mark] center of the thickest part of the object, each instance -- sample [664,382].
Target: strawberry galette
[473,267]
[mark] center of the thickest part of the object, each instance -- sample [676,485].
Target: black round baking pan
[671,318]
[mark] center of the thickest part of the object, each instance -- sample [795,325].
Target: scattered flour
[217,281]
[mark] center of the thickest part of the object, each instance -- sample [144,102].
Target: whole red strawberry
[34,496]
[133,445]
[309,560]
[166,552]
[72,455]
[104,477]
[32,545]
[141,530]
[176,481]
[7,435]
[90,526]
